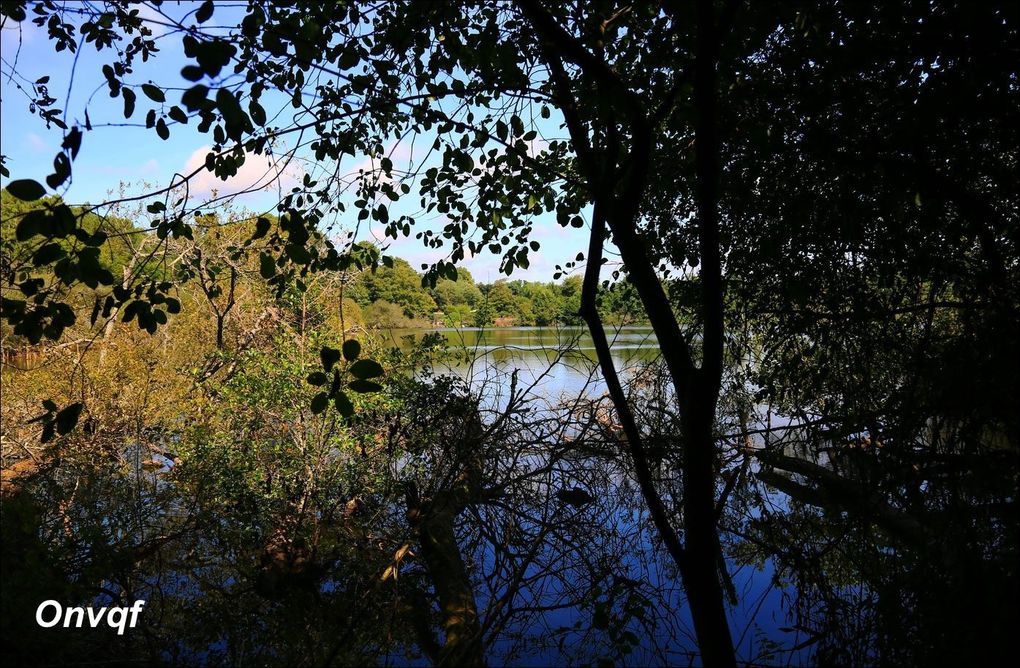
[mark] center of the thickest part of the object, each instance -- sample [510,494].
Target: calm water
[558,361]
[559,364]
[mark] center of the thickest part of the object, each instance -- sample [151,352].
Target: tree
[400,285]
[571,300]
[546,304]
[484,314]
[502,300]
[386,315]
[461,292]
[673,114]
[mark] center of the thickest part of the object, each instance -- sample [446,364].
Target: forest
[389,295]
[743,391]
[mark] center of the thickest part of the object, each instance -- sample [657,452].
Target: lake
[559,364]
[560,360]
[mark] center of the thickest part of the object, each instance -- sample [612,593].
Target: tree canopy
[813,205]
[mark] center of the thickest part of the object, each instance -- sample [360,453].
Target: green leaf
[359,385]
[363,369]
[329,357]
[319,402]
[351,349]
[154,93]
[26,189]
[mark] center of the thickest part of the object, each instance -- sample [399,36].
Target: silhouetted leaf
[359,385]
[154,93]
[267,266]
[192,72]
[30,225]
[26,189]
[177,114]
[47,254]
[204,12]
[72,142]
[67,418]
[329,357]
[317,378]
[319,402]
[351,349]
[129,102]
[61,171]
[343,404]
[194,97]
[363,369]
[258,114]
[261,228]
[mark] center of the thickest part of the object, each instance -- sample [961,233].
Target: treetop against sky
[122,157]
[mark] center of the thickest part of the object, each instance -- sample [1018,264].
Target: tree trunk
[618,191]
[219,332]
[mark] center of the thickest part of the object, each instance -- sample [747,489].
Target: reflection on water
[555,362]
[842,545]
[629,343]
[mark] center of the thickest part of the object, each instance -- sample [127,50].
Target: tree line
[394,297]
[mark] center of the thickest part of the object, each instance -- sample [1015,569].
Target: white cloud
[21,33]
[259,172]
[34,143]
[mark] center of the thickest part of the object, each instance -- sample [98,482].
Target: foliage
[813,205]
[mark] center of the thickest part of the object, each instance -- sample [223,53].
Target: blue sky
[133,159]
